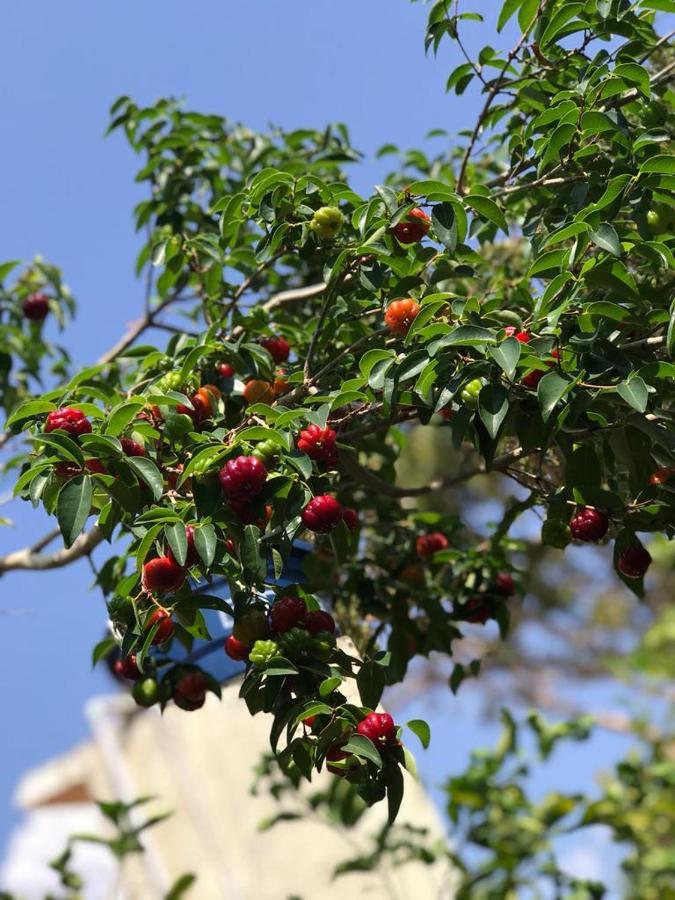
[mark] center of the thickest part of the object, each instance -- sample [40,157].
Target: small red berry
[286,613]
[589,524]
[128,668]
[319,620]
[477,610]
[242,478]
[236,649]
[350,517]
[229,546]
[131,447]
[165,629]
[400,315]
[413,227]
[633,561]
[190,691]
[162,575]
[428,544]
[523,337]
[504,584]
[205,401]
[225,370]
[309,721]
[318,443]
[278,348]
[183,410]
[36,307]
[379,727]
[68,419]
[322,514]
[532,379]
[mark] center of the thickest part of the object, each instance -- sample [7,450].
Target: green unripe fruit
[327,222]
[659,219]
[263,652]
[251,626]
[297,643]
[172,381]
[324,645]
[266,451]
[471,391]
[177,425]
[145,692]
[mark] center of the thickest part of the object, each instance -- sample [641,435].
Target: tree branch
[39,562]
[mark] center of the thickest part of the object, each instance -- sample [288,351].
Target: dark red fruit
[36,307]
[225,370]
[162,575]
[278,348]
[236,649]
[183,410]
[589,524]
[413,228]
[532,379]
[319,443]
[71,470]
[379,727]
[68,419]
[252,514]
[242,478]
[322,514]
[350,517]
[127,667]
[319,620]
[504,585]
[428,544]
[166,628]
[131,447]
[477,610]
[335,754]
[286,613]
[190,691]
[633,561]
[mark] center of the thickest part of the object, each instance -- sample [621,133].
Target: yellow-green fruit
[327,222]
[471,391]
[145,692]
[169,382]
[250,627]
[659,219]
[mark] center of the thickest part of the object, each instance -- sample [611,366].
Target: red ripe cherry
[95,466]
[286,613]
[504,585]
[400,315]
[589,524]
[633,561]
[229,546]
[165,629]
[350,517]
[413,227]
[225,370]
[242,478]
[318,443]
[190,691]
[183,410]
[131,447]
[162,575]
[523,337]
[309,721]
[336,754]
[319,620]
[236,649]
[128,668]
[251,514]
[278,348]
[532,379]
[36,307]
[477,610]
[73,421]
[379,727]
[428,544]
[322,514]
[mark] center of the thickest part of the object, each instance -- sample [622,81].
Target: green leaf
[493,405]
[634,392]
[606,237]
[314,709]
[634,73]
[421,728]
[364,748]
[121,415]
[615,187]
[328,685]
[180,886]
[558,21]
[395,783]
[660,165]
[177,540]
[73,507]
[370,682]
[464,336]
[508,9]
[29,410]
[205,543]
[552,388]
[506,355]
[148,472]
[252,559]
[488,209]
[445,225]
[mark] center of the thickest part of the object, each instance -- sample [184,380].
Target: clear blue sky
[68,194]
